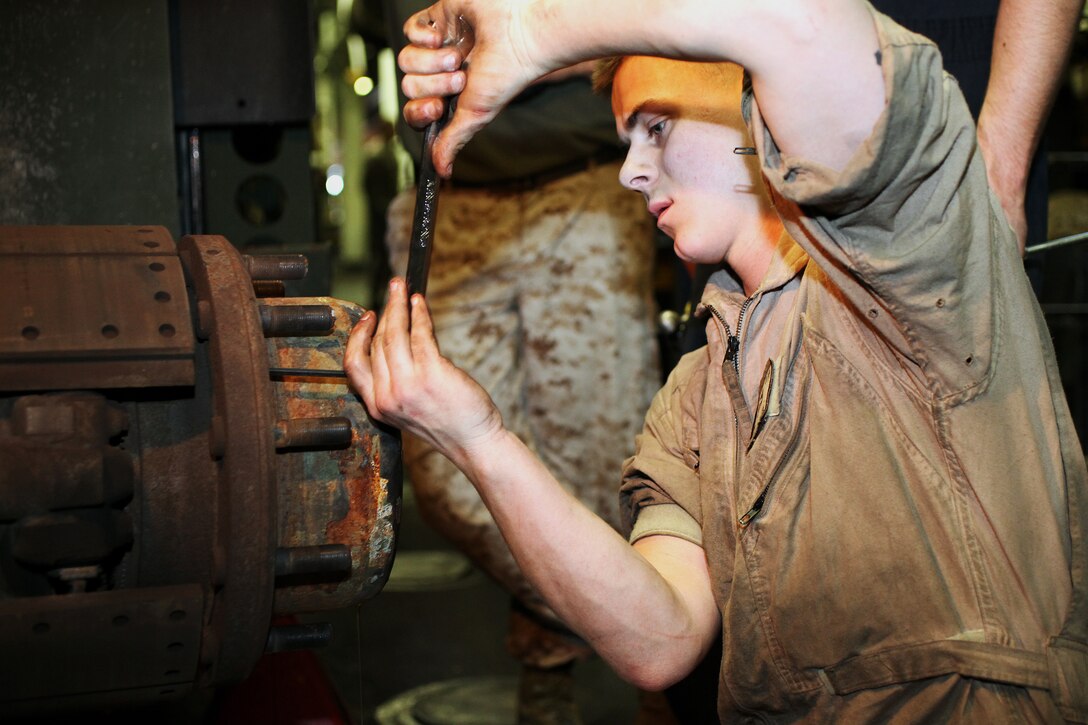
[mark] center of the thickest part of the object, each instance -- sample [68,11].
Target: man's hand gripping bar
[427,185]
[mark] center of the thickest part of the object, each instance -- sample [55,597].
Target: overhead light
[334,180]
[363,85]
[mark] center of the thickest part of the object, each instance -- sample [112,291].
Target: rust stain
[334,496]
[363,488]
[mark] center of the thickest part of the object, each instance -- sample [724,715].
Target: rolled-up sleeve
[907,230]
[660,493]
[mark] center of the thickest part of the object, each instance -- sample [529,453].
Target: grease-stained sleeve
[660,493]
[908,230]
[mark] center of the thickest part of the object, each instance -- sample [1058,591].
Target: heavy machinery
[164,491]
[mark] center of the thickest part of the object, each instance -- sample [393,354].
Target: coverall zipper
[761,501]
[731,345]
[732,342]
[732,355]
[756,508]
[740,326]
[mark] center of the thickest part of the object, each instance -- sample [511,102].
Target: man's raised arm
[814,63]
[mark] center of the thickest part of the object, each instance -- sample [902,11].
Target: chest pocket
[776,446]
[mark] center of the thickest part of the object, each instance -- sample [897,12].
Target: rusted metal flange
[180,496]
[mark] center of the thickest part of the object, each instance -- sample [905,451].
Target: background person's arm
[1031,47]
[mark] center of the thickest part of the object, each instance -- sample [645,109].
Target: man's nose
[636,172]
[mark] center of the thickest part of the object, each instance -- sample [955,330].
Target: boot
[546,696]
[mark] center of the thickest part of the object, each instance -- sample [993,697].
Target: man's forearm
[594,580]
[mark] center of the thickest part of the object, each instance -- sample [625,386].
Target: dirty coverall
[874,448]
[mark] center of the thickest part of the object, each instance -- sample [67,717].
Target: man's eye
[658,128]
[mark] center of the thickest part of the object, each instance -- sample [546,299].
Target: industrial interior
[199,522]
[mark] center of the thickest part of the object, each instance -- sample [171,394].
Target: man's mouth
[657,208]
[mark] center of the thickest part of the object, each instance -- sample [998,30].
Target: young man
[867,484]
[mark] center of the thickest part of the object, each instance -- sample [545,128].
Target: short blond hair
[605,72]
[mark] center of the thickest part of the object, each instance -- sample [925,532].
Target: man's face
[682,121]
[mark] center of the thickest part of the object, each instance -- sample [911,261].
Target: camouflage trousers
[545,298]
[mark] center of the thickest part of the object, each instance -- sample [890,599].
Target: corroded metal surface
[105,641]
[92,307]
[165,511]
[240,439]
[347,496]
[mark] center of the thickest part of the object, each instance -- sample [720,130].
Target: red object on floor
[286,688]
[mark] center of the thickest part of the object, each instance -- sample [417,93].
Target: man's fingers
[452,140]
[462,127]
[380,371]
[381,375]
[434,88]
[437,86]
[423,112]
[430,77]
[424,342]
[468,119]
[357,362]
[394,325]
[430,62]
[395,342]
[426,28]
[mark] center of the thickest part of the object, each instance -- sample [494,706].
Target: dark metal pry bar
[427,183]
[423,221]
[308,373]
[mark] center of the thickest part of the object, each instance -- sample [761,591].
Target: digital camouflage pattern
[544,297]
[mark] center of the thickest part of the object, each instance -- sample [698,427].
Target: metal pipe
[1059,242]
